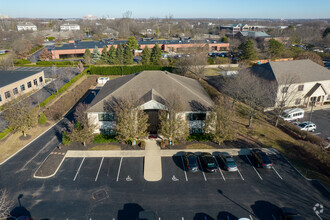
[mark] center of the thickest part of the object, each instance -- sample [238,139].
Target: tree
[96,55]
[275,48]
[173,124]
[132,43]
[22,47]
[45,54]
[156,55]
[326,32]
[42,118]
[193,64]
[81,131]
[311,56]
[21,115]
[120,54]
[104,55]
[80,67]
[128,55]
[295,52]
[131,121]
[248,51]
[6,204]
[7,62]
[146,56]
[219,123]
[87,58]
[225,39]
[112,55]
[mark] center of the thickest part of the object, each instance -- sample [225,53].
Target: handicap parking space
[131,170]
[172,168]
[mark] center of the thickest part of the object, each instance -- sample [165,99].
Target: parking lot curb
[103,153]
[46,177]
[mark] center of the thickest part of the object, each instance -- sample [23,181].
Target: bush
[142,144]
[21,61]
[42,118]
[103,138]
[66,140]
[4,133]
[199,137]
[117,70]
[51,63]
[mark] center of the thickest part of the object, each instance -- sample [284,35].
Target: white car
[307,126]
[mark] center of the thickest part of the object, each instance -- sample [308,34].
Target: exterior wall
[70,28]
[94,119]
[18,84]
[26,28]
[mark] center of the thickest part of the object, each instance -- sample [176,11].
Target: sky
[286,9]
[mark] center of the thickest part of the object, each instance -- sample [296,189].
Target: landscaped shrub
[199,137]
[64,63]
[5,132]
[66,140]
[42,118]
[21,61]
[103,138]
[125,70]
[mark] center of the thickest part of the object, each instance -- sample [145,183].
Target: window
[22,87]
[40,79]
[106,117]
[7,95]
[15,91]
[328,97]
[298,101]
[196,116]
[108,131]
[0,98]
[301,88]
[195,130]
[35,82]
[285,89]
[29,84]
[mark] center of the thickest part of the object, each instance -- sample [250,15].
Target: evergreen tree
[132,42]
[156,55]
[275,48]
[128,55]
[112,55]
[96,55]
[87,58]
[146,56]
[248,51]
[104,55]
[120,54]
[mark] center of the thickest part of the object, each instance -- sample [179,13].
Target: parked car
[261,158]
[208,162]
[229,162]
[190,161]
[292,114]
[307,126]
[290,214]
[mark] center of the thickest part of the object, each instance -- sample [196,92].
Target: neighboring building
[78,48]
[236,27]
[148,32]
[89,17]
[4,17]
[304,81]
[111,33]
[151,88]
[69,27]
[252,34]
[28,26]
[15,83]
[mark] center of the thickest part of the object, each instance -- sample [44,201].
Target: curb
[29,143]
[45,177]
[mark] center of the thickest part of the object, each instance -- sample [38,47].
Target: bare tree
[80,67]
[22,47]
[6,204]
[45,54]
[7,62]
[193,64]
[173,124]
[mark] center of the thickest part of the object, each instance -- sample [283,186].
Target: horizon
[184,9]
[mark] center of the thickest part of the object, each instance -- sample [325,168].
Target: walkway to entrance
[152,161]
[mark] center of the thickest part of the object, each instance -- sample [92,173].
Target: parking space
[322,120]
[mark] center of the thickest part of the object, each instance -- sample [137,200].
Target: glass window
[7,94]
[35,82]
[196,116]
[108,131]
[300,87]
[22,87]
[106,117]
[298,101]
[29,84]
[195,130]
[40,79]
[15,91]
[285,89]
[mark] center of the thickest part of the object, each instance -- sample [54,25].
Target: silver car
[229,162]
[307,126]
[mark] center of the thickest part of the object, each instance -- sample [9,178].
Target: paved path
[152,162]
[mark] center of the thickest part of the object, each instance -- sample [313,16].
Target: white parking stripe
[202,169]
[251,217]
[97,175]
[240,173]
[184,169]
[277,173]
[273,217]
[121,160]
[219,169]
[228,217]
[74,179]
[253,167]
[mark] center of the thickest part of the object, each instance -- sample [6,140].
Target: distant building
[4,16]
[234,28]
[252,34]
[28,26]
[148,32]
[16,83]
[69,27]
[111,33]
[89,17]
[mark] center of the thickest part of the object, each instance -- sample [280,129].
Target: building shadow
[265,210]
[130,211]
[202,216]
[226,216]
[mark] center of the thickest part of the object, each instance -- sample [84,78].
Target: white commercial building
[28,26]
[69,27]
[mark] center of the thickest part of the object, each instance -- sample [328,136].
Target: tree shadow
[265,210]
[129,212]
[202,216]
[19,211]
[226,216]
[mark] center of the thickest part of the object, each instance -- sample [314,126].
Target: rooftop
[9,77]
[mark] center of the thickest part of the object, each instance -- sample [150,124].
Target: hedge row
[125,70]
[63,88]
[22,61]
[5,132]
[62,63]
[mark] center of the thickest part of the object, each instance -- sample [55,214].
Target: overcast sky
[160,9]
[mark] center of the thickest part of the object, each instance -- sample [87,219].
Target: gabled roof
[314,89]
[9,77]
[154,85]
[254,34]
[300,71]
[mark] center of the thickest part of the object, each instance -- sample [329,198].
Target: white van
[292,114]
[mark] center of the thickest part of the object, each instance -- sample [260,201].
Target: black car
[190,161]
[290,214]
[261,158]
[208,162]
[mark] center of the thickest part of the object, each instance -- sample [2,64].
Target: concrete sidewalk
[152,161]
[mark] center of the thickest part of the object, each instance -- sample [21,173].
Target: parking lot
[322,120]
[252,191]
